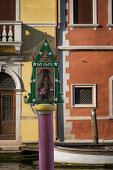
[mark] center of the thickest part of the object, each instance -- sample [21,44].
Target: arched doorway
[7,107]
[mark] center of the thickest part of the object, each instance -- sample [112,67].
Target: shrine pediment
[45,83]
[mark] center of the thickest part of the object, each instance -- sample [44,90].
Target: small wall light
[25,99]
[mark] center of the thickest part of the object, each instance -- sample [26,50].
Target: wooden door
[7,115]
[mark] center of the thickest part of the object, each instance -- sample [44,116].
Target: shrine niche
[45,84]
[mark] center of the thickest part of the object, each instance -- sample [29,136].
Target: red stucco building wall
[91,67]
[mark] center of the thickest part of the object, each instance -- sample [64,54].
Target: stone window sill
[84,26]
[84,106]
[110,26]
[111,117]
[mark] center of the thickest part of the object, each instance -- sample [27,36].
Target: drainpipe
[56,24]
[56,111]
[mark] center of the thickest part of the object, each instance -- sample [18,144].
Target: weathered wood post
[45,92]
[94,125]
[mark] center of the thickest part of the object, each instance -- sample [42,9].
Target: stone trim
[40,24]
[10,22]
[89,141]
[87,118]
[110,24]
[66,14]
[13,75]
[17,10]
[93,86]
[67,126]
[11,58]
[18,116]
[66,18]
[66,5]
[73,48]
[71,12]
[111,97]
[65,42]
[16,79]
[66,76]
[67,131]
[94,12]
[84,26]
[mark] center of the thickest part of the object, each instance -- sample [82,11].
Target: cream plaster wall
[27,64]
[37,11]
[29,130]
[32,37]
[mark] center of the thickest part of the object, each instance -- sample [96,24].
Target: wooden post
[94,125]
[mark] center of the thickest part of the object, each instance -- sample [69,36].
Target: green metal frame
[53,63]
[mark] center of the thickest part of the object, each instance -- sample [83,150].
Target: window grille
[83,95]
[6,82]
[7,107]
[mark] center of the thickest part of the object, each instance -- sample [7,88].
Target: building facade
[82,31]
[86,51]
[22,25]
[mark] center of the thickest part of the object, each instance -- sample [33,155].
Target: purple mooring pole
[46,142]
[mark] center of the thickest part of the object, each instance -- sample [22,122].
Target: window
[7,10]
[83,13]
[6,82]
[84,95]
[110,14]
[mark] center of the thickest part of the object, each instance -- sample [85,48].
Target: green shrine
[45,85]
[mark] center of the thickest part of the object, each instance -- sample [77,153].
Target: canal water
[28,161]
[21,166]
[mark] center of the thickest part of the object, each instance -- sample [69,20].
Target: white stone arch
[18,104]
[13,75]
[111,97]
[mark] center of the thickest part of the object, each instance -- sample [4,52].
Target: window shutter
[7,10]
[83,12]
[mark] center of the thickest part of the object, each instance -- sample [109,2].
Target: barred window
[6,82]
[84,95]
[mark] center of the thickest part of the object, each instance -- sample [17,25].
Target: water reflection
[20,166]
[9,166]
